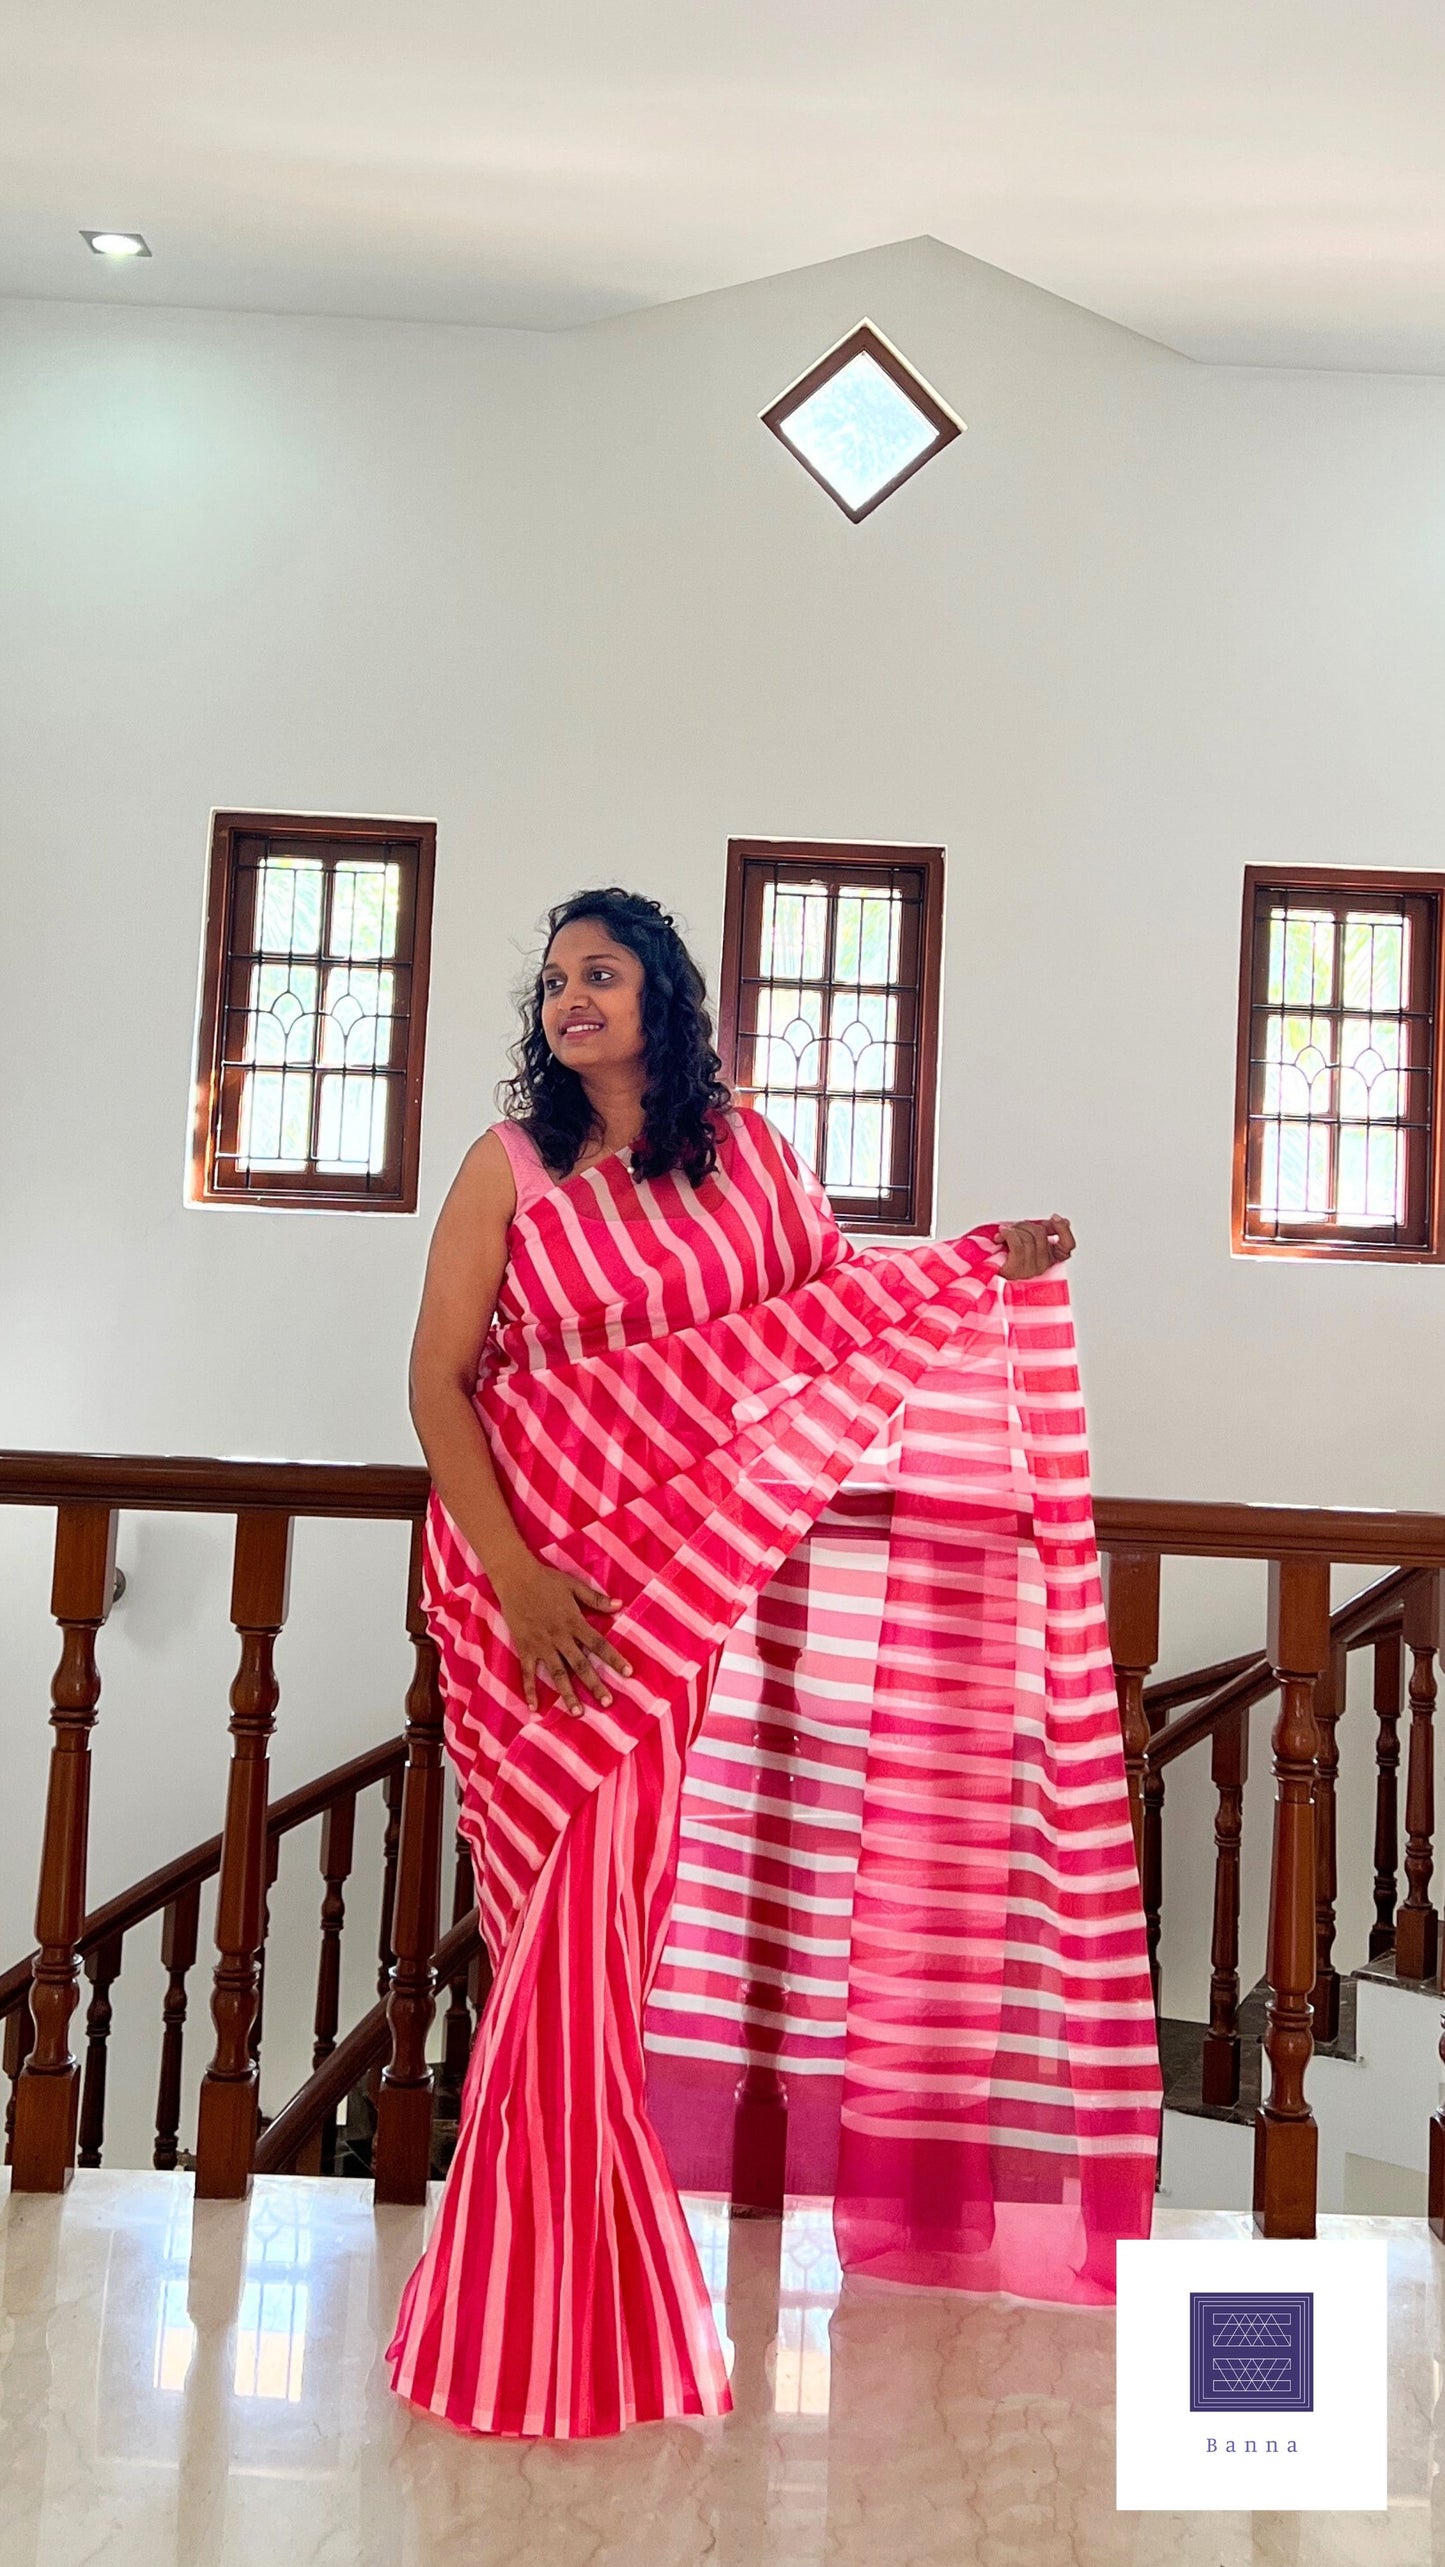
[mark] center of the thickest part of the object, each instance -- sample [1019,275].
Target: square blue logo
[1251,2352]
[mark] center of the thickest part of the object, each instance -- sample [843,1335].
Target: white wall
[1145,623]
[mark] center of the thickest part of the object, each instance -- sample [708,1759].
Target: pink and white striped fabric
[852,1485]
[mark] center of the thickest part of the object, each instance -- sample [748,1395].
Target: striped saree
[842,1498]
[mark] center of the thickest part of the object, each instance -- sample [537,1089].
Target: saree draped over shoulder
[850,1486]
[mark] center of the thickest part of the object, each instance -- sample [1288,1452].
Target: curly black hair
[683,1090]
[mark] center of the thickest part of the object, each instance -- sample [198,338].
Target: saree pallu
[678,1386]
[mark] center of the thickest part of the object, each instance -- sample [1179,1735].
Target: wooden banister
[226,2131]
[404,2104]
[1286,2140]
[189,1484]
[47,2095]
[1186,1528]
[1163,1719]
[1131,1599]
[1355,1624]
[207,1484]
[282,2141]
[1229,1771]
[180,1937]
[1388,1684]
[1170,1693]
[146,1898]
[1329,1704]
[1417,1927]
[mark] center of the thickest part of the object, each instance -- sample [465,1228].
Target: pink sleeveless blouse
[533,1178]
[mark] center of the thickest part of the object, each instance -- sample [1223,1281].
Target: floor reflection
[809,2283]
[200,2385]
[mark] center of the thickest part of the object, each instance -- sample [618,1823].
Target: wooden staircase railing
[59,2111]
[1304,1661]
[56,2115]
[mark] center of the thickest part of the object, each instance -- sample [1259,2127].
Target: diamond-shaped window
[862,422]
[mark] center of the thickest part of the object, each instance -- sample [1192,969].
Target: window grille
[313,1013]
[1337,1115]
[829,1015]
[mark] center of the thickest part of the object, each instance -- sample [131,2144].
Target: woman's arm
[542,1606]
[463,1277]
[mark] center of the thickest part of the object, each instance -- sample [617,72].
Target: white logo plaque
[1251,2375]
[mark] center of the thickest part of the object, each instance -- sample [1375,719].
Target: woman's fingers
[560,1673]
[592,1641]
[573,1660]
[582,1657]
[1034,1246]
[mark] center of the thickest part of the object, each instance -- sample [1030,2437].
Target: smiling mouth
[591,1025]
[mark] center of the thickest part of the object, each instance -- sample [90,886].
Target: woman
[645,1362]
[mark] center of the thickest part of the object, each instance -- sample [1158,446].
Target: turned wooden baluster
[391,1802]
[1131,1594]
[273,1866]
[226,2131]
[1229,1772]
[1286,2141]
[404,2102]
[180,1935]
[457,2021]
[19,2034]
[102,1969]
[1389,1672]
[338,1838]
[1417,1928]
[47,2096]
[1329,1703]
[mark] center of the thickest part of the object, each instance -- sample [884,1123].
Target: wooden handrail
[283,2139]
[1167,1692]
[202,1484]
[194,1485]
[148,1897]
[1190,1528]
[1376,1608]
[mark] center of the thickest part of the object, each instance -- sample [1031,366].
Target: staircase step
[1181,2052]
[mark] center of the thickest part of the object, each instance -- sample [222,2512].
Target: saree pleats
[680,1385]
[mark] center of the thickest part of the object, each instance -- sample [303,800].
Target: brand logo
[1251,2352]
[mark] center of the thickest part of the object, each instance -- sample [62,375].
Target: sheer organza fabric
[859,1812]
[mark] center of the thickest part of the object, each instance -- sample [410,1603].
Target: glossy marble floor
[198,2386]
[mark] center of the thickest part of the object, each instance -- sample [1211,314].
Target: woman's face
[592,998]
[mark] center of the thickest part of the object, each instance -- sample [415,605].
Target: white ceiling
[1259,181]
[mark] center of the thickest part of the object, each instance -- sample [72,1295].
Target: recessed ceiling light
[117,244]
[861,421]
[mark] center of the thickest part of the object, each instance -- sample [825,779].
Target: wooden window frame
[1343,886]
[224,988]
[865,340]
[752,859]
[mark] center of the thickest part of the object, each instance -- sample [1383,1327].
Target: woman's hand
[1034,1246]
[542,1609]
